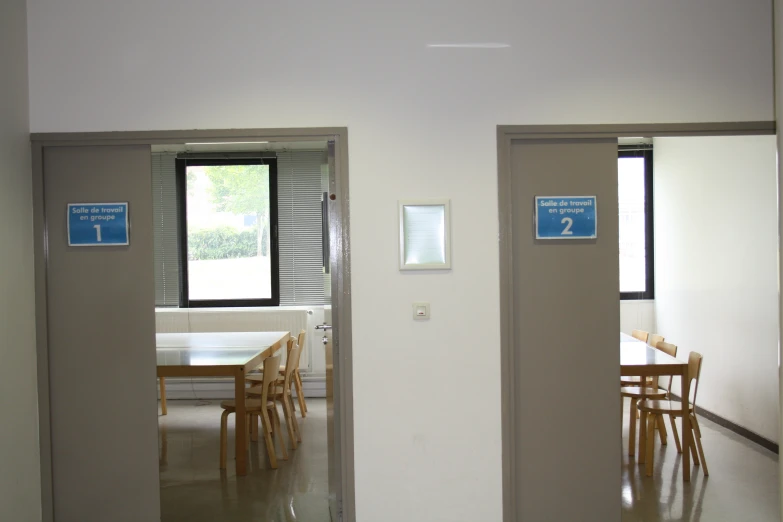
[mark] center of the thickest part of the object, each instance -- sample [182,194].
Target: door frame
[341,275]
[506,134]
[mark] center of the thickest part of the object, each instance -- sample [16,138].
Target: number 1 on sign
[98,232]
[566,231]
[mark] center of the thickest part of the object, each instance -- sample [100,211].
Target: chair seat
[663,407]
[250,405]
[641,393]
[634,381]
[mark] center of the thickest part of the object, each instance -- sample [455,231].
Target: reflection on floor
[193,489]
[742,486]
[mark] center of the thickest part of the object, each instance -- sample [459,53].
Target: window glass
[631,191]
[229,252]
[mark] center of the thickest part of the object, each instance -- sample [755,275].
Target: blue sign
[566,217]
[98,224]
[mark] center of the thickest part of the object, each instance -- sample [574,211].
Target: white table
[217,354]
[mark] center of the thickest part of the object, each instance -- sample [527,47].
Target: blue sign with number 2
[98,224]
[570,217]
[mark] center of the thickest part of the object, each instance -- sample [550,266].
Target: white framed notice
[425,234]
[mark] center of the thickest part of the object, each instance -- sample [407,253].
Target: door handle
[324,327]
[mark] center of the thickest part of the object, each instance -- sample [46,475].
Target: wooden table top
[210,353]
[638,358]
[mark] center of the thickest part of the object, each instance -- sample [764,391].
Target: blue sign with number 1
[98,224]
[570,217]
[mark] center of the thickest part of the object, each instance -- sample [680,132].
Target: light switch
[421,311]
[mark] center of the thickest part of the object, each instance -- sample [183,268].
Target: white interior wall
[421,124]
[20,477]
[313,360]
[716,273]
[637,315]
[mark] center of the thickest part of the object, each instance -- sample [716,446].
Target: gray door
[101,342]
[331,299]
[566,339]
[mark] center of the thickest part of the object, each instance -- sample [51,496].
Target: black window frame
[649,238]
[181,168]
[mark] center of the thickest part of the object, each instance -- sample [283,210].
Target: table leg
[163,409]
[686,426]
[241,422]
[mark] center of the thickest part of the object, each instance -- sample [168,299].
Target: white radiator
[294,320]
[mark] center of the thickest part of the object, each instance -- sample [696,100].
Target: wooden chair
[653,341]
[163,408]
[282,392]
[296,380]
[653,391]
[263,408]
[640,335]
[635,393]
[656,409]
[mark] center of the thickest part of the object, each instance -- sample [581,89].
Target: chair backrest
[271,367]
[301,339]
[291,364]
[669,349]
[641,335]
[694,372]
[654,339]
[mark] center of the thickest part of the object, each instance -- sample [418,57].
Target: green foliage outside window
[222,243]
[243,190]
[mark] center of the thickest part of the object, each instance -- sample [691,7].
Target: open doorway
[241,233]
[708,285]
[316,483]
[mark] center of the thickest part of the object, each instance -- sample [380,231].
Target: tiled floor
[742,486]
[193,489]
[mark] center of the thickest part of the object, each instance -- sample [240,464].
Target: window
[635,180]
[228,232]
[301,178]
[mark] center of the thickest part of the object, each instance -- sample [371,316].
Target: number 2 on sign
[566,231]
[98,232]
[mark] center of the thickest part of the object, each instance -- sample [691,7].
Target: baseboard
[736,428]
[220,388]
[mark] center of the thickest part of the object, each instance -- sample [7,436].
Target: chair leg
[632,430]
[697,438]
[643,436]
[278,430]
[270,448]
[660,425]
[223,438]
[300,394]
[163,409]
[289,423]
[676,435]
[294,420]
[694,451]
[249,431]
[254,427]
[650,443]
[622,400]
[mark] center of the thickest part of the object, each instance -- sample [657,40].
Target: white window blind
[166,236]
[299,227]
